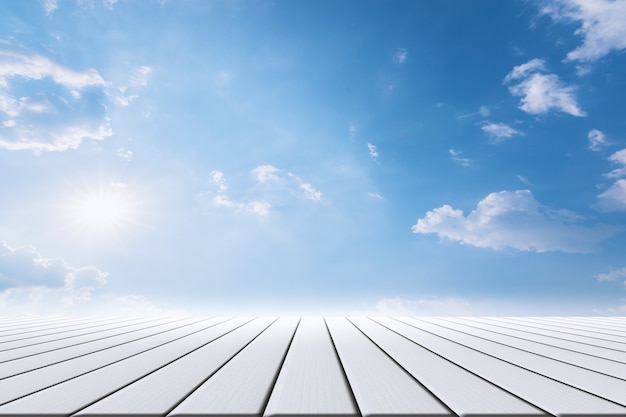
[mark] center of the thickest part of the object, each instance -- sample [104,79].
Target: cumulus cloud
[513,219]
[499,132]
[45,120]
[372,150]
[456,157]
[541,92]
[614,198]
[597,140]
[217,178]
[25,273]
[612,275]
[601,25]
[400,55]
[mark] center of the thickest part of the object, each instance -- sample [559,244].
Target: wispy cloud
[352,130]
[601,25]
[125,155]
[513,219]
[614,198]
[541,92]
[266,173]
[310,192]
[217,179]
[400,55]
[612,275]
[373,152]
[50,6]
[597,140]
[128,92]
[29,124]
[456,157]
[375,195]
[499,132]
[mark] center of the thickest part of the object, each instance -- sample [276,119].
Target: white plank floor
[334,366]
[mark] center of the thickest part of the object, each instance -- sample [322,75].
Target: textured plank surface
[381,366]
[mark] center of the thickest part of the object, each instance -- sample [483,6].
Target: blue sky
[313,157]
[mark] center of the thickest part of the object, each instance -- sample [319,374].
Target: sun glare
[103,211]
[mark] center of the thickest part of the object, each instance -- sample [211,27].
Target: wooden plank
[15,367]
[159,392]
[59,325]
[311,380]
[594,341]
[243,385]
[605,386]
[597,351]
[77,393]
[49,343]
[26,337]
[548,394]
[9,322]
[463,392]
[380,386]
[571,330]
[27,383]
[593,363]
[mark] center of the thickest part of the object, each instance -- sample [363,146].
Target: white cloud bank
[513,219]
[601,22]
[614,198]
[446,306]
[28,277]
[499,132]
[541,92]
[44,121]
[612,275]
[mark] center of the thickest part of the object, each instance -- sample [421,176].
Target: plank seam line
[116,361]
[49,320]
[160,367]
[280,367]
[343,370]
[560,325]
[404,369]
[539,334]
[87,325]
[524,324]
[511,363]
[586,323]
[524,350]
[220,367]
[82,343]
[472,325]
[462,367]
[101,350]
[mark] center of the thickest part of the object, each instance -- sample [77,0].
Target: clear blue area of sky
[442,157]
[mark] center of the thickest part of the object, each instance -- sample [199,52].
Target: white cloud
[613,199]
[612,275]
[217,177]
[45,121]
[25,273]
[125,155]
[352,131]
[513,219]
[597,140]
[541,92]
[499,131]
[128,92]
[601,25]
[523,179]
[465,162]
[310,192]
[373,151]
[376,196]
[266,173]
[400,55]
[618,157]
[50,6]
[424,306]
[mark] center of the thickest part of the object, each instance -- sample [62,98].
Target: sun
[103,211]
